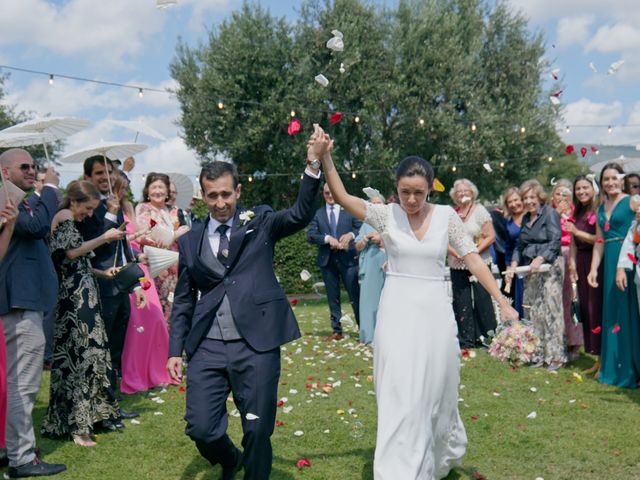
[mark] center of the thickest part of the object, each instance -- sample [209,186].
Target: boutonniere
[245,217]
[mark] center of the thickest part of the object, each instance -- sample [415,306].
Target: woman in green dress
[620,355]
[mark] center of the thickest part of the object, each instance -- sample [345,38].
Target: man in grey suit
[28,288]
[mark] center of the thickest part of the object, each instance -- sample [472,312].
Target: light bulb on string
[353,175]
[473,128]
[140,93]
[550,158]
[501,164]
[610,129]
[250,179]
[453,169]
[220,105]
[51,79]
[567,129]
[421,121]
[523,130]
[293,113]
[357,119]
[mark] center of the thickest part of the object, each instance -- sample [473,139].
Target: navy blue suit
[249,367]
[28,279]
[336,264]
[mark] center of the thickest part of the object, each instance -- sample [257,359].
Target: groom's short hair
[215,170]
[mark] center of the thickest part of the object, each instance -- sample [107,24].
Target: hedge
[294,254]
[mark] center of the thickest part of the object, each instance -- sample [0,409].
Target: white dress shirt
[214,237]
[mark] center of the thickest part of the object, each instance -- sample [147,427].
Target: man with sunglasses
[28,288]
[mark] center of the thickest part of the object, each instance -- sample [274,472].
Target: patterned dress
[166,281]
[81,361]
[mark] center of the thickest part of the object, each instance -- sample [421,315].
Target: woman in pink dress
[153,211]
[146,345]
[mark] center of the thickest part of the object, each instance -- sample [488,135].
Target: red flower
[303,462]
[597,330]
[569,150]
[616,328]
[595,150]
[279,423]
[335,118]
[280,403]
[294,127]
[583,151]
[293,301]
[182,389]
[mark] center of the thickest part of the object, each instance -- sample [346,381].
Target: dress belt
[614,239]
[419,277]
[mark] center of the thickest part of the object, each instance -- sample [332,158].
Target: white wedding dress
[416,354]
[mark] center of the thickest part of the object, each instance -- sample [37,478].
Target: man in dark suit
[115,304]
[28,288]
[334,230]
[230,316]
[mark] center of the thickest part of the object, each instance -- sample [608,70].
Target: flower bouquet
[515,342]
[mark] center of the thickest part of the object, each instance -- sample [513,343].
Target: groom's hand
[174,366]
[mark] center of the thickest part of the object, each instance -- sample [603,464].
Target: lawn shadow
[366,453]
[199,465]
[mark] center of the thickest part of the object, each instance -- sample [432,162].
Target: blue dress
[371,282]
[620,354]
[513,230]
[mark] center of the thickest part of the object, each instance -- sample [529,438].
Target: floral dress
[167,280]
[81,367]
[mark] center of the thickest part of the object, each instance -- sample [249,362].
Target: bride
[416,355]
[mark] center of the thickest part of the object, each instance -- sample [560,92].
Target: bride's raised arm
[354,205]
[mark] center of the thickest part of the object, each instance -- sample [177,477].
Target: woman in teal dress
[371,273]
[620,355]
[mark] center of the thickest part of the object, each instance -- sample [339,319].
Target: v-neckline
[604,210]
[429,217]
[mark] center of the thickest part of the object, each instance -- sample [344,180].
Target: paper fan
[160,259]
[161,235]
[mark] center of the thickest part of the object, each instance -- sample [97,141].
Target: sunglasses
[25,167]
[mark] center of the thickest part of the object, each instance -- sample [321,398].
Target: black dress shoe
[36,468]
[113,425]
[127,415]
[229,473]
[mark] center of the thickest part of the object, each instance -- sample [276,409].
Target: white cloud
[616,38]
[573,30]
[542,10]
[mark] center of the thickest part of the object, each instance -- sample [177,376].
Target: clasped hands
[342,244]
[319,144]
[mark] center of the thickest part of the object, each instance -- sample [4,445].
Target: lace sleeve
[458,237]
[377,216]
[65,237]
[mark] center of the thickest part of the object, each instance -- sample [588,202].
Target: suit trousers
[217,368]
[331,275]
[473,309]
[47,326]
[115,313]
[25,342]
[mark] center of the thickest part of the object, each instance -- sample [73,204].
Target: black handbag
[128,276]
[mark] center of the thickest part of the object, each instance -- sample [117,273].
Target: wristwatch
[315,163]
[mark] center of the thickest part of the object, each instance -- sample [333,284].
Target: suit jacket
[319,228]
[260,308]
[94,226]
[28,279]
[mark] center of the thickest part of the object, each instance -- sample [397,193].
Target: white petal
[322,80]
[251,416]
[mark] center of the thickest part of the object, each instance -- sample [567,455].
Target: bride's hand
[507,312]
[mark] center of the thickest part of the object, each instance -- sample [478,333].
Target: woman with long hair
[513,211]
[81,366]
[416,356]
[583,237]
[620,348]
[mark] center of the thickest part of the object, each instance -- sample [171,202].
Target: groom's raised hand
[174,367]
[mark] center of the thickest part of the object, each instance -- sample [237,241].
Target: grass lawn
[582,430]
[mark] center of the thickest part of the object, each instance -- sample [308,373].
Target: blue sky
[132,41]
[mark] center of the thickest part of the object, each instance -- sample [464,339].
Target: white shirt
[214,237]
[336,213]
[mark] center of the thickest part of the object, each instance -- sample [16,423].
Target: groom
[230,315]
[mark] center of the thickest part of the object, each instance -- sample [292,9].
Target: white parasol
[160,259]
[629,164]
[19,139]
[138,127]
[184,189]
[50,129]
[111,150]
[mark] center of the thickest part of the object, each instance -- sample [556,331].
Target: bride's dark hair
[414,165]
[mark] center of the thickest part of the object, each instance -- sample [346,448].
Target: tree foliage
[418,77]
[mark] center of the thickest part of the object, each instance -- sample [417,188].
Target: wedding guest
[79,395]
[28,284]
[513,209]
[115,303]
[620,348]
[472,303]
[631,184]
[153,210]
[333,230]
[8,218]
[146,344]
[539,243]
[561,201]
[372,258]
[583,235]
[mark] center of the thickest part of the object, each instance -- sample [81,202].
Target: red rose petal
[182,389]
[152,223]
[279,423]
[280,403]
[616,328]
[303,462]
[583,151]
[335,118]
[569,150]
[597,330]
[465,353]
[474,417]
[478,476]
[632,258]
[294,127]
[594,150]
[557,94]
[599,240]
[293,301]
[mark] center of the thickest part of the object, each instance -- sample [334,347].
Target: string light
[353,175]
[501,164]
[609,129]
[51,79]
[421,121]
[250,179]
[220,105]
[567,129]
[453,169]
[550,158]
[357,119]
[473,128]
[293,113]
[140,93]
[523,129]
